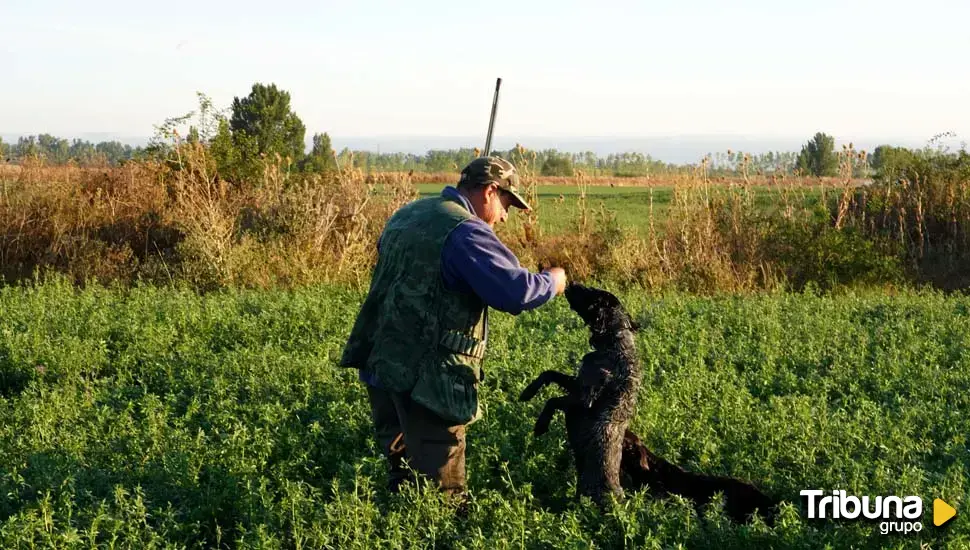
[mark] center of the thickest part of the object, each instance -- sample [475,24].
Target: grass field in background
[559,206]
[165,418]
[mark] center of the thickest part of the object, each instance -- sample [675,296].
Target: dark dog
[601,398]
[643,468]
[599,405]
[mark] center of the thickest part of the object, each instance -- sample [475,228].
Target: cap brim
[518,201]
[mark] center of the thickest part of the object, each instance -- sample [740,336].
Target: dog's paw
[540,428]
[545,418]
[530,391]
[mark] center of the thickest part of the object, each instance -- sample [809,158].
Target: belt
[463,344]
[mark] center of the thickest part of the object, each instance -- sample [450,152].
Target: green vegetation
[164,418]
[818,157]
[59,151]
[558,165]
[321,158]
[889,162]
[559,206]
[553,163]
[265,117]
[196,403]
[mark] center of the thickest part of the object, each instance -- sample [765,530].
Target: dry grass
[179,221]
[713,237]
[925,214]
[9,170]
[708,241]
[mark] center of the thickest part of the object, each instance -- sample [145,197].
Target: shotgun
[491,120]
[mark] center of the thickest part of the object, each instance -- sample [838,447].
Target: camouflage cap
[485,170]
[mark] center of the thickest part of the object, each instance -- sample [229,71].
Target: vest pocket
[448,386]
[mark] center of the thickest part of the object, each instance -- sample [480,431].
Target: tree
[818,157]
[321,158]
[262,123]
[82,151]
[114,151]
[229,149]
[891,162]
[55,150]
[557,165]
[27,147]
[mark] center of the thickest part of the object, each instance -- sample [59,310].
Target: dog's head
[600,310]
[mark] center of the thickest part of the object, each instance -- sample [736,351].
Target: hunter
[421,333]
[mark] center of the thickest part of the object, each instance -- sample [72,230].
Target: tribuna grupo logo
[895,514]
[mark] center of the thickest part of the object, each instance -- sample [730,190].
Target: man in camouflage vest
[420,336]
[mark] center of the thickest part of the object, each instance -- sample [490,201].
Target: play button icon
[942,512]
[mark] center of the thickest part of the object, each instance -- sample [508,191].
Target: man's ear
[490,191]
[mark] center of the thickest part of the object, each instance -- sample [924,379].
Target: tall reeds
[177,220]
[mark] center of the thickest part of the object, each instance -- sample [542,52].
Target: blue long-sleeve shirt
[474,260]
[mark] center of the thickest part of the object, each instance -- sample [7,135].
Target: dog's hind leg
[563,380]
[545,417]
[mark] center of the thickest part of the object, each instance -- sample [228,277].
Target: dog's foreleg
[563,380]
[545,417]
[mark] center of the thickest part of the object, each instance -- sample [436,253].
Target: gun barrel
[491,120]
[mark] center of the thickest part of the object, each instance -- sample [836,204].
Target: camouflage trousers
[408,432]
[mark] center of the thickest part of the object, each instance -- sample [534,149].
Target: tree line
[57,150]
[262,124]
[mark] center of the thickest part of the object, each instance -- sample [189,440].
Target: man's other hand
[558,278]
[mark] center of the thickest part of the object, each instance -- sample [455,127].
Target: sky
[856,69]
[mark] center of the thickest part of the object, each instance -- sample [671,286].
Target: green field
[559,208]
[164,418]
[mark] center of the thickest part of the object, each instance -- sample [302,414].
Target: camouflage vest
[412,332]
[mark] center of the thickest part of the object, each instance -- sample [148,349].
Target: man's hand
[558,278]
